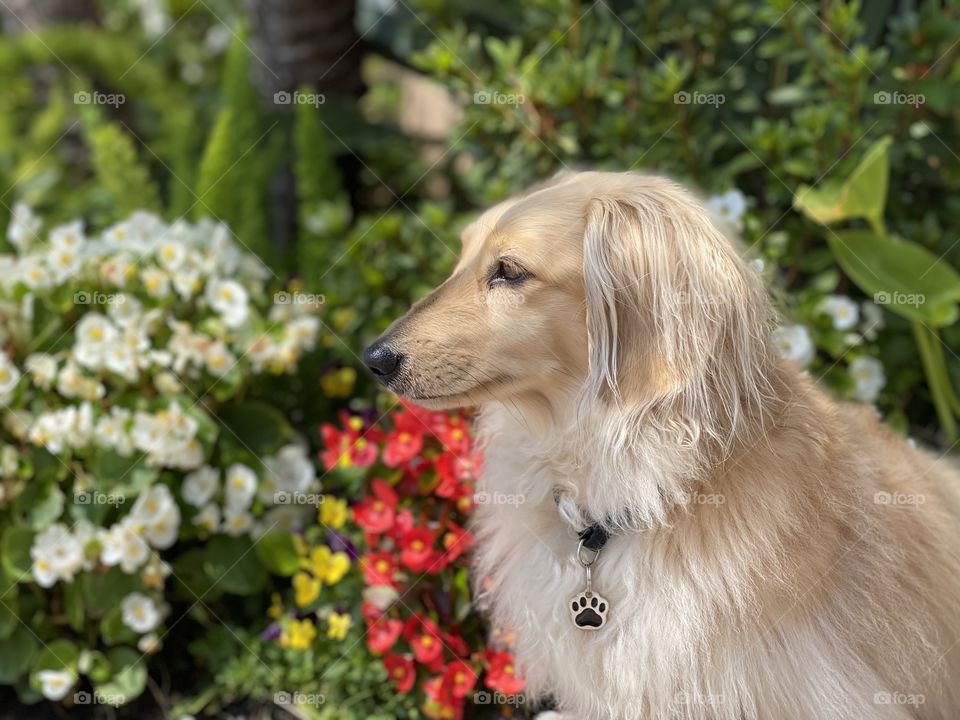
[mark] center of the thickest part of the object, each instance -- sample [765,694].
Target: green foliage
[119,172]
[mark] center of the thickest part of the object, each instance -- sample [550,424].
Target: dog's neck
[627,468]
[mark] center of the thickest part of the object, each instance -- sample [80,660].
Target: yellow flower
[333,512]
[320,561]
[337,567]
[276,606]
[339,383]
[299,635]
[305,588]
[299,544]
[338,625]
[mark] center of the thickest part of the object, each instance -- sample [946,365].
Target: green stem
[940,361]
[940,397]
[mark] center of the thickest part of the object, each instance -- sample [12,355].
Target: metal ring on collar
[596,554]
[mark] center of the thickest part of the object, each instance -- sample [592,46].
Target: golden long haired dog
[770,554]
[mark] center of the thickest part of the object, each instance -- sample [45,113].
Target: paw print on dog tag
[589,611]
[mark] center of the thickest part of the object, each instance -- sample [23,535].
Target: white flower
[156,282]
[237,522]
[729,207]
[95,336]
[171,254]
[209,517]
[159,516]
[868,377]
[290,470]
[42,368]
[200,485]
[57,555]
[9,377]
[303,331]
[794,344]
[219,359]
[842,311]
[122,545]
[240,485]
[72,383]
[285,518]
[68,237]
[64,262]
[24,226]
[228,298]
[55,684]
[125,310]
[149,644]
[35,274]
[139,612]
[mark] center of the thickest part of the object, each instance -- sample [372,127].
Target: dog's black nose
[383,361]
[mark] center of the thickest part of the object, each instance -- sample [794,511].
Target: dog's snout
[383,361]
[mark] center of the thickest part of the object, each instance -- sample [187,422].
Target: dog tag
[588,609]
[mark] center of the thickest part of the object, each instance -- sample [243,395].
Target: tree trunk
[306,42]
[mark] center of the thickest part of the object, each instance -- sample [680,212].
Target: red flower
[440,704]
[402,446]
[427,647]
[457,474]
[459,678]
[454,434]
[400,669]
[456,644]
[370,612]
[383,634]
[456,541]
[377,514]
[417,551]
[401,525]
[501,671]
[348,447]
[378,568]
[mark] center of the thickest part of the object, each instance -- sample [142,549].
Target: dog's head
[617,285]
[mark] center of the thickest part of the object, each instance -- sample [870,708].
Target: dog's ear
[670,304]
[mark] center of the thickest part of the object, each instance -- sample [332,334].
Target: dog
[756,549]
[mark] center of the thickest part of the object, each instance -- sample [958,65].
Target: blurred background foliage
[348,143]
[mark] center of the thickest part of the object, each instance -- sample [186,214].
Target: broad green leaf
[9,606]
[40,504]
[59,654]
[862,195]
[902,275]
[73,604]
[128,677]
[278,553]
[16,654]
[233,566]
[113,630]
[15,553]
[255,426]
[104,591]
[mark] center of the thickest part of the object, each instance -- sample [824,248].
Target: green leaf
[232,565]
[113,630]
[40,504]
[278,553]
[9,606]
[16,654]
[862,195]
[59,654]
[15,553]
[256,426]
[73,604]
[104,591]
[128,678]
[902,275]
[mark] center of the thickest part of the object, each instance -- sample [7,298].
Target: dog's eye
[507,272]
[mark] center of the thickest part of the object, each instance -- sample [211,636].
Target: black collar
[593,537]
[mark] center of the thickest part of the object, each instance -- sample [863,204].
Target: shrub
[140,479]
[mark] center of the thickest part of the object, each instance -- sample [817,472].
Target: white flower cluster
[59,553]
[152,523]
[227,509]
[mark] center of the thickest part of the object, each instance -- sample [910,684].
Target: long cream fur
[775,555]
